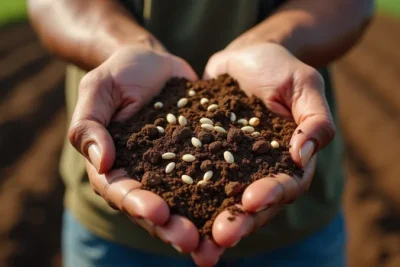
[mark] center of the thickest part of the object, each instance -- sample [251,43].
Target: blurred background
[32,128]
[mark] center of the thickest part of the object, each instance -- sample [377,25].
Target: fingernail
[306,152]
[262,208]
[234,244]
[177,248]
[95,155]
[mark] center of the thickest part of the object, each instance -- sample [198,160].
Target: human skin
[305,33]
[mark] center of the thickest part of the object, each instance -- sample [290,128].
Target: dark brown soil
[140,147]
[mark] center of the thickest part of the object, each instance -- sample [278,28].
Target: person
[122,52]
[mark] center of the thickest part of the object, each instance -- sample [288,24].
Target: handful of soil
[199,144]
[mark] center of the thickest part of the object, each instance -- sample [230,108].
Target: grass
[391,7]
[11,11]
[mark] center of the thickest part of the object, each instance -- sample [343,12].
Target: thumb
[93,112]
[218,64]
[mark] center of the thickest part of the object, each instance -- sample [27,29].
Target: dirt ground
[32,126]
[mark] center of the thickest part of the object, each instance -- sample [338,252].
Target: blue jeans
[81,248]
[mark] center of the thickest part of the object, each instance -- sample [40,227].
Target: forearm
[85,32]
[317,32]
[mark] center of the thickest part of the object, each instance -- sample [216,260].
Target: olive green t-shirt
[194,30]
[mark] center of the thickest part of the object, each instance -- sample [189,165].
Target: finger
[228,230]
[279,189]
[262,217]
[180,68]
[218,64]
[207,254]
[181,233]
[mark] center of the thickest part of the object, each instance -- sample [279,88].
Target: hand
[115,91]
[291,89]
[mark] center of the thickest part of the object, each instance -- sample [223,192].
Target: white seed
[171,118]
[206,121]
[232,117]
[188,158]
[212,107]
[208,175]
[187,179]
[204,101]
[201,183]
[170,167]
[274,144]
[196,142]
[243,121]
[208,127]
[247,129]
[191,93]
[160,129]
[255,134]
[182,102]
[229,157]
[219,129]
[182,120]
[254,121]
[168,155]
[158,105]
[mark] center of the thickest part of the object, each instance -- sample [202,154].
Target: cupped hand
[291,89]
[114,92]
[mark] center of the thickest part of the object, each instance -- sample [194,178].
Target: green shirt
[194,30]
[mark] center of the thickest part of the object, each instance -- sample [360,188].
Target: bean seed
[219,129]
[196,142]
[274,144]
[232,117]
[247,129]
[206,121]
[160,129]
[208,175]
[158,105]
[208,127]
[168,155]
[255,134]
[201,183]
[204,101]
[182,120]
[212,107]
[191,93]
[170,167]
[187,179]
[243,121]
[229,157]
[188,158]
[182,102]
[171,118]
[254,121]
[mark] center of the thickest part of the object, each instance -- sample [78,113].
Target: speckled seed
[158,105]
[188,158]
[170,167]
[208,175]
[168,155]
[204,101]
[191,93]
[247,129]
[208,127]
[243,121]
[274,144]
[229,157]
[171,118]
[187,179]
[160,129]
[212,107]
[219,129]
[196,142]
[232,117]
[255,134]
[182,120]
[254,121]
[201,183]
[182,102]
[206,121]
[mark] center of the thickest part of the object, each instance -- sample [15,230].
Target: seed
[208,175]
[192,93]
[196,142]
[182,102]
[208,127]
[204,101]
[274,144]
[201,182]
[170,167]
[188,158]
[182,120]
[158,105]
[254,121]
[160,129]
[187,179]
[247,129]
[243,121]
[171,118]
[229,157]
[168,155]
[255,134]
[219,129]
[206,121]
[212,107]
[232,117]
